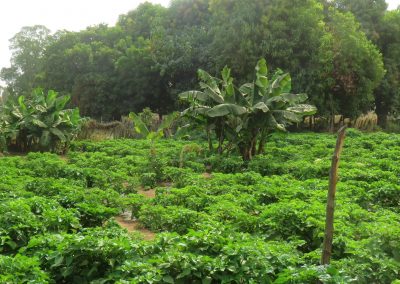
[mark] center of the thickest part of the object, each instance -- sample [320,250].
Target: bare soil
[149,193]
[135,226]
[207,175]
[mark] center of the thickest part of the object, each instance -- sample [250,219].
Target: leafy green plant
[170,218]
[21,269]
[245,115]
[142,126]
[262,222]
[83,257]
[38,123]
[148,180]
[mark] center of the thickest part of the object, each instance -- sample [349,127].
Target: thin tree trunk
[332,122]
[253,147]
[261,143]
[210,146]
[220,142]
[330,205]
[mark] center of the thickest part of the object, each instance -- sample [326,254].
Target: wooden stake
[330,205]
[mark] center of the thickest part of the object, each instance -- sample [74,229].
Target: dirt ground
[134,226]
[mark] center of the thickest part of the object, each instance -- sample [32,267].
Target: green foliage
[357,71]
[81,257]
[21,269]
[245,115]
[25,217]
[148,180]
[39,123]
[225,164]
[311,274]
[27,47]
[171,218]
[142,125]
[152,54]
[134,202]
[256,222]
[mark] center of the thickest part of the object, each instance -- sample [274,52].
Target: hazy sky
[73,15]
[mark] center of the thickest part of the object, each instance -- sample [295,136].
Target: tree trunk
[261,143]
[246,152]
[220,142]
[210,146]
[382,110]
[261,147]
[330,205]
[382,120]
[332,122]
[253,146]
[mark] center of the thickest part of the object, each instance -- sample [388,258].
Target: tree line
[345,54]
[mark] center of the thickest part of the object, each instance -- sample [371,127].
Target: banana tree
[40,123]
[246,115]
[163,129]
[215,106]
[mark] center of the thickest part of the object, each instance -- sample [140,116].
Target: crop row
[255,222]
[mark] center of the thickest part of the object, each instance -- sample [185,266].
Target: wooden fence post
[330,205]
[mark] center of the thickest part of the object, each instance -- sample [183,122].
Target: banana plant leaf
[261,106]
[139,125]
[57,132]
[282,84]
[303,109]
[194,95]
[61,102]
[287,98]
[225,109]
[287,115]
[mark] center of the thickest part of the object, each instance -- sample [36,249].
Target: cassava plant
[242,117]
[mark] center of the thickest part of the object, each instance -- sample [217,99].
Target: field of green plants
[260,221]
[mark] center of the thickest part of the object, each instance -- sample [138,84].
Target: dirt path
[134,226]
[207,175]
[150,193]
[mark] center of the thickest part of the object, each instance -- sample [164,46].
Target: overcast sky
[73,15]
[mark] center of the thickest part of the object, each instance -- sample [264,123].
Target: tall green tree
[387,95]
[27,48]
[83,65]
[369,13]
[152,54]
[353,66]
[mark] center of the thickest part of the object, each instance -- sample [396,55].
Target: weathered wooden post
[330,205]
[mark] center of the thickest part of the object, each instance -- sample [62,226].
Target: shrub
[148,180]
[170,218]
[38,123]
[21,269]
[82,257]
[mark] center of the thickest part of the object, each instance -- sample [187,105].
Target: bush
[225,164]
[38,123]
[148,180]
[170,218]
[23,218]
[82,257]
[21,269]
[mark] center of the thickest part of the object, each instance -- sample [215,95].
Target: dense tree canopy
[27,47]
[387,95]
[343,53]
